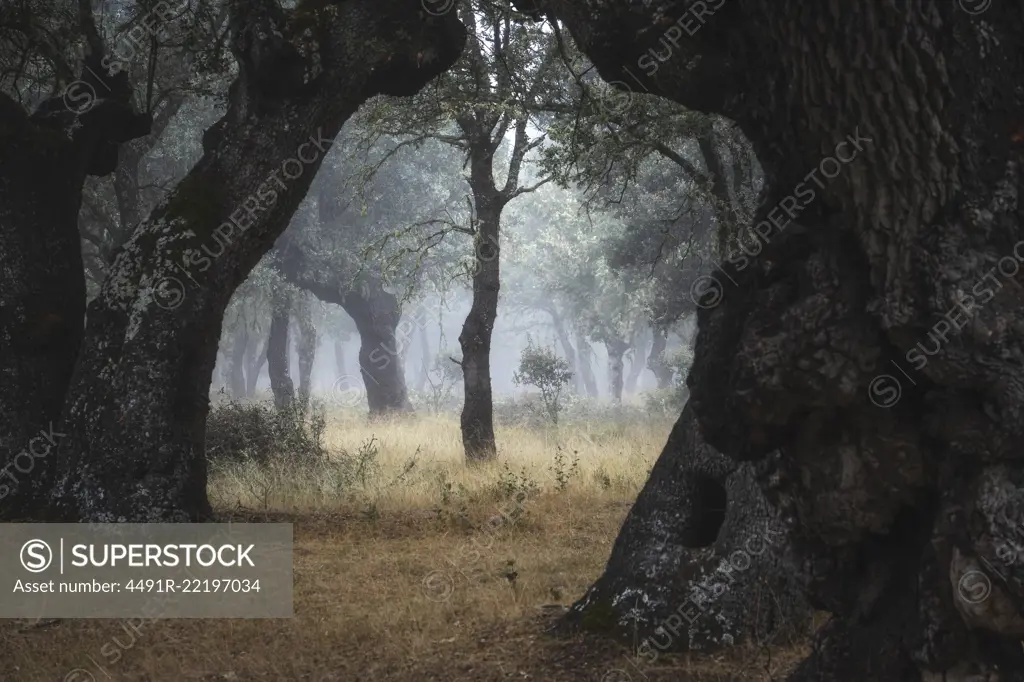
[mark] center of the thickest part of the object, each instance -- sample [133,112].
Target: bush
[257,432]
[542,368]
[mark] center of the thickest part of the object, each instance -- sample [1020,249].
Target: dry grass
[396,580]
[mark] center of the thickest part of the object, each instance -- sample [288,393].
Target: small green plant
[366,460]
[602,478]
[564,469]
[513,486]
[542,368]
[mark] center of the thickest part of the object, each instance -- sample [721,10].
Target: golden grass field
[399,576]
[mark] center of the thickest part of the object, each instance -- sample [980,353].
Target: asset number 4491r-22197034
[171,586]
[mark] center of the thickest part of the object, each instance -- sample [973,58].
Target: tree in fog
[489,96]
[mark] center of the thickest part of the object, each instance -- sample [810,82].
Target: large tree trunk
[306,350]
[616,349]
[475,339]
[656,360]
[236,362]
[138,399]
[46,158]
[376,313]
[278,365]
[890,219]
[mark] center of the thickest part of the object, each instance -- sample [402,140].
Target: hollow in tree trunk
[890,223]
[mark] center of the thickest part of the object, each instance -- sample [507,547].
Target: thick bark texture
[702,561]
[904,499]
[138,400]
[278,360]
[45,161]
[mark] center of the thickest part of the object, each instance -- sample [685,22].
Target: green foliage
[563,469]
[542,368]
[513,486]
[257,432]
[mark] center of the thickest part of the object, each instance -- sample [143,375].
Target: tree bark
[306,349]
[899,192]
[478,406]
[376,313]
[236,362]
[138,400]
[278,365]
[656,360]
[702,561]
[47,157]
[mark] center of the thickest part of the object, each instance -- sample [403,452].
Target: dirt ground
[368,607]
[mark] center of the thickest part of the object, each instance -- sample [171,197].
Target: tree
[870,228]
[492,92]
[134,409]
[540,367]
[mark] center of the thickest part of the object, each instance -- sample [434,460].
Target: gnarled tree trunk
[890,214]
[45,161]
[137,404]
